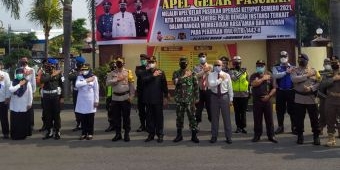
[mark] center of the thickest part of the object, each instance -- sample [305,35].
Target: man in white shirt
[5,82]
[222,96]
[123,24]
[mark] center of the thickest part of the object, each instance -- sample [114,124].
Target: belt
[334,94]
[121,94]
[222,94]
[284,89]
[50,91]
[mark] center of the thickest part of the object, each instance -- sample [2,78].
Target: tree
[79,32]
[47,13]
[13,6]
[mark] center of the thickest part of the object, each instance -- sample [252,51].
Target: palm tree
[13,6]
[47,13]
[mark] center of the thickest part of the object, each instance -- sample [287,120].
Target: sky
[79,10]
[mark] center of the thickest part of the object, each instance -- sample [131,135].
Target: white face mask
[284,59]
[85,72]
[327,67]
[153,65]
[203,60]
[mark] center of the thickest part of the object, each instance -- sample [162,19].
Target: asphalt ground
[101,153]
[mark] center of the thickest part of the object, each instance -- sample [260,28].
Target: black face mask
[335,66]
[119,64]
[237,65]
[183,65]
[303,63]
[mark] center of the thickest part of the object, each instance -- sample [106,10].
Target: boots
[126,137]
[57,135]
[179,136]
[331,140]
[194,136]
[117,137]
[48,135]
[316,139]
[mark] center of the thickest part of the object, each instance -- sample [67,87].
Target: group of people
[123,23]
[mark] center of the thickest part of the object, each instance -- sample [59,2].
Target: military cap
[183,60]
[80,60]
[107,3]
[224,58]
[260,62]
[122,2]
[138,1]
[304,56]
[283,54]
[85,67]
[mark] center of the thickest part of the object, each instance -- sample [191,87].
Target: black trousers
[30,113]
[141,111]
[43,114]
[204,102]
[155,119]
[87,122]
[300,112]
[285,103]
[52,109]
[4,118]
[109,110]
[74,98]
[20,122]
[263,109]
[240,109]
[121,109]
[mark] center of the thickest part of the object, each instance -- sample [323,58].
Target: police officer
[74,73]
[140,71]
[263,90]
[141,20]
[322,92]
[109,92]
[332,101]
[186,94]
[123,22]
[105,21]
[306,82]
[284,93]
[53,97]
[122,82]
[239,77]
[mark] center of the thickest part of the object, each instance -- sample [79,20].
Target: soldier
[53,98]
[105,21]
[306,82]
[186,94]
[332,101]
[5,95]
[239,77]
[284,93]
[155,85]
[262,89]
[141,20]
[322,93]
[122,82]
[123,23]
[140,71]
[202,71]
[109,92]
[74,73]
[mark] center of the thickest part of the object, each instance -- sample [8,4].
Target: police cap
[224,59]
[80,60]
[107,3]
[260,62]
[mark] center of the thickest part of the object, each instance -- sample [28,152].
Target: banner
[199,20]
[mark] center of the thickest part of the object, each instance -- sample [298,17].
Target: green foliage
[17,40]
[79,32]
[101,73]
[11,61]
[13,6]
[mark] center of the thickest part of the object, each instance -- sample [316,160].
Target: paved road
[101,154]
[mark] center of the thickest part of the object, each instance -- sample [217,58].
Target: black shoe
[316,140]
[279,130]
[117,137]
[76,128]
[213,140]
[300,140]
[48,135]
[82,137]
[178,138]
[160,139]
[229,141]
[243,131]
[150,138]
[273,139]
[43,128]
[238,130]
[109,129]
[6,136]
[256,138]
[141,129]
[126,137]
[57,136]
[194,136]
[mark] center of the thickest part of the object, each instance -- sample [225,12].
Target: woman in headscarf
[21,102]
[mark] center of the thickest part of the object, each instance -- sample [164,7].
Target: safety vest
[241,84]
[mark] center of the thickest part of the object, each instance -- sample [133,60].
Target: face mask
[283,60]
[303,63]
[143,62]
[327,67]
[183,65]
[86,72]
[19,76]
[335,67]
[260,70]
[119,64]
[218,69]
[203,60]
[153,65]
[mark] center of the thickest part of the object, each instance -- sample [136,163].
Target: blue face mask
[19,76]
[218,69]
[203,60]
[260,70]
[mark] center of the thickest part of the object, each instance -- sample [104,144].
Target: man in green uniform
[186,94]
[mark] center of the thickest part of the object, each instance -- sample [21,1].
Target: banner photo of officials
[168,21]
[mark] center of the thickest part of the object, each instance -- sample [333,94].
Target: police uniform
[121,81]
[306,82]
[141,21]
[21,100]
[186,93]
[52,95]
[262,91]
[105,20]
[140,71]
[123,22]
